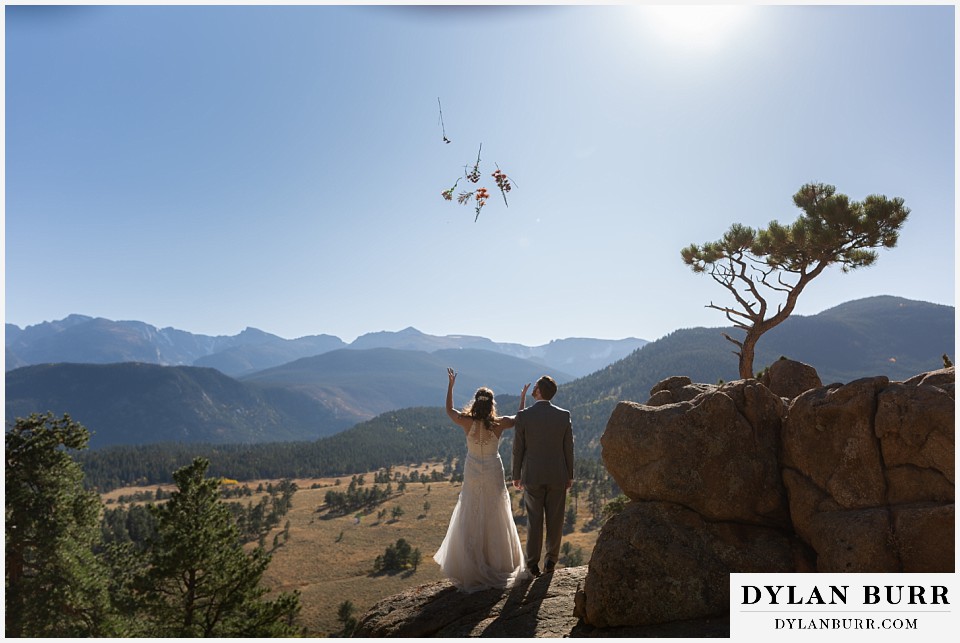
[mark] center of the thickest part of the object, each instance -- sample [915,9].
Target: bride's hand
[452,375]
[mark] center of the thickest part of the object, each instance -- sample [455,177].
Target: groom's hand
[518,484]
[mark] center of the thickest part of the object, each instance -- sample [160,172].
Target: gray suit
[543,462]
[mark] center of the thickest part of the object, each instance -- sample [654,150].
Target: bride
[482,548]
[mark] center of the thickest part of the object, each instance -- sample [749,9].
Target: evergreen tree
[403,550]
[55,586]
[346,618]
[415,558]
[571,557]
[397,557]
[784,259]
[570,519]
[201,582]
[595,502]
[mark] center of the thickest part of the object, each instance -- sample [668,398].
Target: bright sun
[693,25]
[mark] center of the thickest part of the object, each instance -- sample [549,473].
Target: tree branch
[751,287]
[738,343]
[727,277]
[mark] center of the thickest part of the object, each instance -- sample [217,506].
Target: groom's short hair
[547,386]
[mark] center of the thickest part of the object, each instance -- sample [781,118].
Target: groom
[543,468]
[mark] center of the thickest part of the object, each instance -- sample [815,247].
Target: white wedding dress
[482,548]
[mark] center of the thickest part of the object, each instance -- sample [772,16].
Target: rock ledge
[543,607]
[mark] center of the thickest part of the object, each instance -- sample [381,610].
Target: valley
[330,560]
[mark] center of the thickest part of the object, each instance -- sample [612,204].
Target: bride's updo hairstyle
[482,407]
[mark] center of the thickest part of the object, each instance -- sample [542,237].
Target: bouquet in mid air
[479,195]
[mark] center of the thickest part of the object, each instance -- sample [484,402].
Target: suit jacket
[543,445]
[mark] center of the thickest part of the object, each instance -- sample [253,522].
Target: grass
[330,560]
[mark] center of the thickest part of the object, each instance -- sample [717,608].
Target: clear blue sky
[213,168]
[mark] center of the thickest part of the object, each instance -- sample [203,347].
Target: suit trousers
[544,501]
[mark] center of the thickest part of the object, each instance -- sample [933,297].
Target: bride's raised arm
[453,413]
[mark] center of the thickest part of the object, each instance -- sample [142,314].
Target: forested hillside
[134,403]
[398,437]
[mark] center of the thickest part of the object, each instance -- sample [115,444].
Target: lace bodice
[482,442]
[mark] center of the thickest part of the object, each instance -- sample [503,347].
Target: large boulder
[657,562]
[716,454]
[828,439]
[788,378]
[914,424]
[675,389]
[869,471]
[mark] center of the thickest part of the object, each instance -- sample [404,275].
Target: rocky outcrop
[716,454]
[439,609]
[669,563]
[707,498]
[869,469]
[543,607]
[776,475]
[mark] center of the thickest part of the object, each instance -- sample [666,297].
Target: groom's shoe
[549,567]
[535,570]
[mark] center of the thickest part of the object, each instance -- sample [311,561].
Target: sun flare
[695,26]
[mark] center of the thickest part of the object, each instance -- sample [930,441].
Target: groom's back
[545,430]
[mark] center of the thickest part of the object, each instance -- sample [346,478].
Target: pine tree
[200,580]
[570,519]
[346,618]
[595,502]
[784,259]
[55,586]
[415,558]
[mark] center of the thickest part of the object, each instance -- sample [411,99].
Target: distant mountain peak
[250,333]
[75,318]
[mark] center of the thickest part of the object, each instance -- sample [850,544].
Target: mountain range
[89,340]
[320,395]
